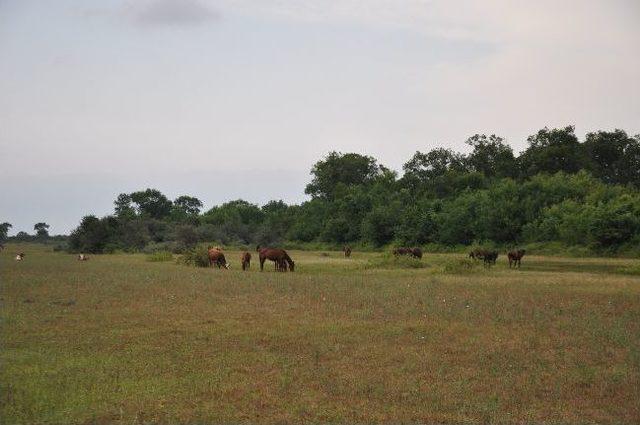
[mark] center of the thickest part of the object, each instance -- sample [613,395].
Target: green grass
[160,256]
[118,339]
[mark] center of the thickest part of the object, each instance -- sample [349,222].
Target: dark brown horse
[277,255]
[487,256]
[216,257]
[347,251]
[412,252]
[245,259]
[515,256]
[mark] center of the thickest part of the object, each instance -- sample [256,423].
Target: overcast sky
[228,99]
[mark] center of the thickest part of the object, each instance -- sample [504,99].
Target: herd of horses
[279,256]
[283,261]
[490,257]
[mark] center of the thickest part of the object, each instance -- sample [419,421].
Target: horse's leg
[262,263]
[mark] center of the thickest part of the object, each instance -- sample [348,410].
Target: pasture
[119,339]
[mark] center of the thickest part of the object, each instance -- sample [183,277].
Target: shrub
[197,256]
[390,261]
[159,256]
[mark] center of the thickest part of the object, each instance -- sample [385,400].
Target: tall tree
[42,229]
[553,150]
[123,206]
[338,170]
[152,203]
[614,157]
[188,205]
[491,156]
[4,231]
[435,163]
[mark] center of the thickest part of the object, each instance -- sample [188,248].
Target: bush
[461,265]
[159,256]
[390,261]
[60,247]
[197,256]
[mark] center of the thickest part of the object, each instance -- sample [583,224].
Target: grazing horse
[245,259]
[490,258]
[20,256]
[277,255]
[412,252]
[347,251]
[82,257]
[217,257]
[515,256]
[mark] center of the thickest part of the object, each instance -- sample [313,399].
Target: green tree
[151,203]
[92,235]
[553,150]
[437,162]
[42,230]
[4,231]
[614,157]
[378,226]
[188,204]
[337,169]
[123,208]
[491,156]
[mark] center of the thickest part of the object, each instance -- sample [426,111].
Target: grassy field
[119,339]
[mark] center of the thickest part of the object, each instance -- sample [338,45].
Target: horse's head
[258,248]
[227,266]
[291,265]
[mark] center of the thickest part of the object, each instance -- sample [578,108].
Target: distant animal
[412,252]
[478,253]
[216,257]
[82,257]
[490,258]
[245,259]
[20,256]
[515,257]
[347,251]
[277,255]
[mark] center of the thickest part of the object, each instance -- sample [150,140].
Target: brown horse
[347,251]
[245,259]
[412,252]
[217,257]
[277,255]
[82,257]
[515,256]
[487,256]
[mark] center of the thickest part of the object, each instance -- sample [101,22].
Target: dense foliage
[558,190]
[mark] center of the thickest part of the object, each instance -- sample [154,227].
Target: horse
[82,257]
[347,251]
[412,252]
[277,255]
[217,257]
[245,259]
[490,258]
[20,256]
[515,256]
[281,265]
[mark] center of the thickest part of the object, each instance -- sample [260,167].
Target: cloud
[172,13]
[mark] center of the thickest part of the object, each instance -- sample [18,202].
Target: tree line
[559,190]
